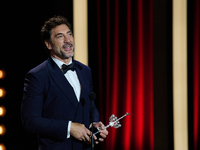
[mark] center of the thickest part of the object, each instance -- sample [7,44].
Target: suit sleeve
[31,111]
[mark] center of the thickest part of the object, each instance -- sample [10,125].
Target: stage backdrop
[194,73]
[125,70]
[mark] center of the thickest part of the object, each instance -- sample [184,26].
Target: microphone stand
[92,125]
[92,97]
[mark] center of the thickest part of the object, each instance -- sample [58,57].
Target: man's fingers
[83,139]
[101,139]
[95,138]
[103,134]
[102,126]
[80,132]
[87,137]
[96,142]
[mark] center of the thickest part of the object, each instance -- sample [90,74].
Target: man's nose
[67,39]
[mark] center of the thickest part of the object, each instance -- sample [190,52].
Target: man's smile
[67,46]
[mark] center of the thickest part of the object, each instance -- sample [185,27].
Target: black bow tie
[65,68]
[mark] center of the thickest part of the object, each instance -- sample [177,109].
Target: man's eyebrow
[62,33]
[69,31]
[58,34]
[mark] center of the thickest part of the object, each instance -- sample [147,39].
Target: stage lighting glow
[2,147]
[2,111]
[2,130]
[2,92]
[2,74]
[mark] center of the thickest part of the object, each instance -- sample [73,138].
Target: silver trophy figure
[113,122]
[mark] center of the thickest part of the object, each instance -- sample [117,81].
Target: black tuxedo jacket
[49,102]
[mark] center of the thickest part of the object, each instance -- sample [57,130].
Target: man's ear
[48,44]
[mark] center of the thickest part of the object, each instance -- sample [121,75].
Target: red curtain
[125,61]
[196,75]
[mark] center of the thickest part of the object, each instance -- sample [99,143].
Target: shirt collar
[59,63]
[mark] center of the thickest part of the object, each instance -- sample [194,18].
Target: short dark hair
[52,23]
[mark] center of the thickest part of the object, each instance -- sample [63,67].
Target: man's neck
[66,61]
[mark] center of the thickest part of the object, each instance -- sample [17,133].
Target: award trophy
[113,122]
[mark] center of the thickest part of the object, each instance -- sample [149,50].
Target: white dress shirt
[72,78]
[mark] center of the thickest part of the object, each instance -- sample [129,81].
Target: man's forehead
[63,28]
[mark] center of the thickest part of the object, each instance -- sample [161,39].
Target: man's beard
[60,53]
[64,56]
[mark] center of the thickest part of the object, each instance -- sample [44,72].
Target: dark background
[22,49]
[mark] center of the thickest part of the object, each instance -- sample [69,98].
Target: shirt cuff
[68,129]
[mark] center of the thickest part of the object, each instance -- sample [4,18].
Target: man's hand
[80,132]
[102,130]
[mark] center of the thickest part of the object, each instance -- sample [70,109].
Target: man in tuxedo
[56,103]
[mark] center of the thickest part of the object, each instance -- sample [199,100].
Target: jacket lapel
[62,82]
[80,74]
[83,81]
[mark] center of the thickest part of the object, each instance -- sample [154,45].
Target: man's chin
[67,56]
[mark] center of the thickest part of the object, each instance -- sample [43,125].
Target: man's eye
[59,36]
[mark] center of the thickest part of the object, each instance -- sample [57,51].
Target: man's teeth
[67,46]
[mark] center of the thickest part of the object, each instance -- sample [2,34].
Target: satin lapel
[83,81]
[62,83]
[80,74]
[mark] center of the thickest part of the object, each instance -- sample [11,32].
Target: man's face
[62,42]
